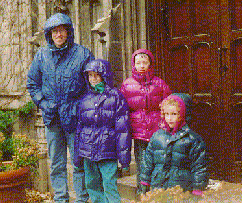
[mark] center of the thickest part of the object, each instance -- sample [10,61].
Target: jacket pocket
[184,179]
[69,83]
[85,135]
[49,111]
[109,141]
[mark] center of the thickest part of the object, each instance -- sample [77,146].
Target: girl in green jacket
[175,155]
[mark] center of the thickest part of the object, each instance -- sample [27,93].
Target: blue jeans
[101,180]
[57,141]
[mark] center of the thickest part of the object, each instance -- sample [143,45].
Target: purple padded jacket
[103,130]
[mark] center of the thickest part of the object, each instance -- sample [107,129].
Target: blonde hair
[169,102]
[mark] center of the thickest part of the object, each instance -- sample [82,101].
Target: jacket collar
[102,96]
[180,134]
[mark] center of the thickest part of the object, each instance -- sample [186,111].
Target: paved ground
[220,192]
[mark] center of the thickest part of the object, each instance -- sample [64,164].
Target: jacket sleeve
[122,127]
[77,160]
[199,164]
[34,79]
[68,112]
[147,165]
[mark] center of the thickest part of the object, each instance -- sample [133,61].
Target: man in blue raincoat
[55,79]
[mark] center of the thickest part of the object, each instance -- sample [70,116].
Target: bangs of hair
[142,54]
[170,102]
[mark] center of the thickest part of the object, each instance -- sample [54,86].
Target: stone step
[127,187]
[132,170]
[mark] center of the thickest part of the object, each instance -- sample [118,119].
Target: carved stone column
[101,28]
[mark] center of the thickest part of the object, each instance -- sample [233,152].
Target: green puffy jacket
[180,159]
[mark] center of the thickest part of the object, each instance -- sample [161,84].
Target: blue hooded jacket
[103,130]
[56,75]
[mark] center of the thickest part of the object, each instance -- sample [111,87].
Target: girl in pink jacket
[143,92]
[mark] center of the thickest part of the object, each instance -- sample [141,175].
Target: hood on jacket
[149,74]
[185,103]
[188,103]
[54,21]
[102,67]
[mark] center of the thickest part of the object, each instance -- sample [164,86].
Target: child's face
[142,63]
[94,78]
[172,115]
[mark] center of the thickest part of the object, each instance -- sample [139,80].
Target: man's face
[59,35]
[94,78]
[142,63]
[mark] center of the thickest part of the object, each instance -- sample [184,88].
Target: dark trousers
[139,152]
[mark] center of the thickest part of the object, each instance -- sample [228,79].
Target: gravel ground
[217,192]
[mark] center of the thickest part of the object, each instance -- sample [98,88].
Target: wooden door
[231,79]
[198,46]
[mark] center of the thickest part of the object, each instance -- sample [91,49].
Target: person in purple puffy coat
[103,133]
[143,92]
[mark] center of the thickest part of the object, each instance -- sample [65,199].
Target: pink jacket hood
[147,76]
[179,124]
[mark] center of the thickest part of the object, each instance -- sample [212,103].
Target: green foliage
[25,152]
[6,167]
[180,1]
[7,118]
[6,149]
[27,109]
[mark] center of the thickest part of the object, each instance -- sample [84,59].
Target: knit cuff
[197,192]
[144,183]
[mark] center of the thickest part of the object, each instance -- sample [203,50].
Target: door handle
[165,20]
[222,61]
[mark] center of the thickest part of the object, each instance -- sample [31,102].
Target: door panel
[190,63]
[202,68]
[192,68]
[179,26]
[231,37]
[181,78]
[203,16]
[236,59]
[199,51]
[236,14]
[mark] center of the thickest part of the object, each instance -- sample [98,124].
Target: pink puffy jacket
[144,92]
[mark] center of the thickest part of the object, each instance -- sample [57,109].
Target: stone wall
[15,51]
